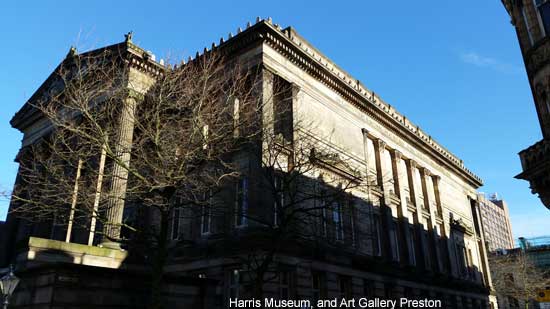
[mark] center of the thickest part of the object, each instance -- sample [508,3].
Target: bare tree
[119,145]
[516,276]
[307,191]
[117,139]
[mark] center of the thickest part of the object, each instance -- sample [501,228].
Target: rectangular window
[284,285]
[318,286]
[279,203]
[426,249]
[320,203]
[368,288]
[377,242]
[241,202]
[206,213]
[351,210]
[344,287]
[235,281]
[412,245]
[394,241]
[176,222]
[338,221]
[461,258]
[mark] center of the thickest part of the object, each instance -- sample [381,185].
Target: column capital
[425,171]
[295,87]
[436,177]
[397,154]
[266,72]
[380,143]
[412,163]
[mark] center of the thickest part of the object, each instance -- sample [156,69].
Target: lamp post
[8,283]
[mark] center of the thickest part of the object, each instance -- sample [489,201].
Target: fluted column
[119,181]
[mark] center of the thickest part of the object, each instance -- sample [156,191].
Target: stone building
[409,228]
[531,19]
[496,222]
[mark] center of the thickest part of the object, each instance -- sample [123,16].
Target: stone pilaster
[415,188]
[411,165]
[267,98]
[119,181]
[435,180]
[405,239]
[426,176]
[379,146]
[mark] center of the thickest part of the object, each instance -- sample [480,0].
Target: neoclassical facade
[531,19]
[420,235]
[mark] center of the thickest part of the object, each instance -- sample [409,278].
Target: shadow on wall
[61,283]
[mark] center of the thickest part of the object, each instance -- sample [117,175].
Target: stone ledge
[47,250]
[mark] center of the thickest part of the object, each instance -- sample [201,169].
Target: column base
[110,245]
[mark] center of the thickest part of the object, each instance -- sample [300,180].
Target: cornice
[288,43]
[297,50]
[133,56]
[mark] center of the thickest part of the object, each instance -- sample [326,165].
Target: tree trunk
[158,262]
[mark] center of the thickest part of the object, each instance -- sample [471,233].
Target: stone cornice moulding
[292,46]
[302,54]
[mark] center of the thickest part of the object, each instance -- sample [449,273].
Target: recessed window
[344,287]
[284,285]
[241,202]
[338,221]
[206,213]
[176,222]
[394,241]
[279,203]
[318,286]
[377,242]
[235,282]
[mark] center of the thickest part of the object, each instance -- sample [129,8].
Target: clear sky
[452,67]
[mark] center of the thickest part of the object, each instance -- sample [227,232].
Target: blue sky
[452,67]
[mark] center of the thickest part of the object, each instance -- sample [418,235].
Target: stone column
[411,165]
[119,181]
[435,181]
[437,212]
[267,94]
[402,209]
[379,146]
[385,209]
[425,174]
[417,224]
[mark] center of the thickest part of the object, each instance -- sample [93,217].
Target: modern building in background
[422,237]
[496,222]
[530,259]
[531,19]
